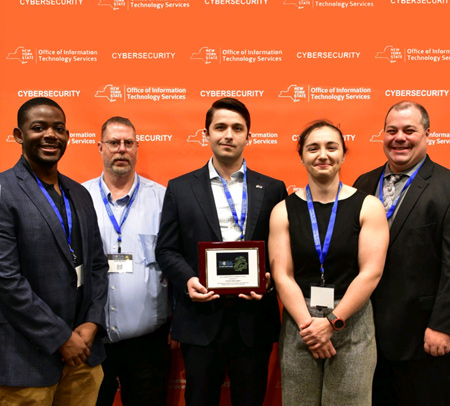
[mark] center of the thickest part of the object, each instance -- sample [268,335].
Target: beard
[123,168]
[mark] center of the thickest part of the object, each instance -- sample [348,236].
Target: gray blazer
[38,283]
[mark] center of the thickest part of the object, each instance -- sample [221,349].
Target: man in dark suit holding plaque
[412,300]
[223,201]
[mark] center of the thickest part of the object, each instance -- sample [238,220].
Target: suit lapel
[201,187]
[374,181]
[255,191]
[30,187]
[417,187]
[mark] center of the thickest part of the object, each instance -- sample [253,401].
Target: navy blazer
[189,216]
[38,282]
[414,291]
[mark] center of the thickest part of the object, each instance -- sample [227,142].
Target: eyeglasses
[114,145]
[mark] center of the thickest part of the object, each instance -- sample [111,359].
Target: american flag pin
[259,186]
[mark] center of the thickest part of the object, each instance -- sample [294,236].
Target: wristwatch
[336,322]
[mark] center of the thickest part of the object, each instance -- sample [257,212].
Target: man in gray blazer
[412,301]
[53,272]
[223,201]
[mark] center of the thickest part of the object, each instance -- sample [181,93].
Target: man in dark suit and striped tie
[412,301]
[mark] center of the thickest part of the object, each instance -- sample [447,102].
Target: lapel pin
[259,186]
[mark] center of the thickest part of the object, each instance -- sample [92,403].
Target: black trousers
[141,365]
[206,368]
[412,383]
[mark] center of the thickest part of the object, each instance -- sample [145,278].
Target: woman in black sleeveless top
[327,248]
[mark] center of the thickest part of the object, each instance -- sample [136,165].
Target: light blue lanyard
[116,225]
[231,202]
[58,214]
[394,204]
[322,252]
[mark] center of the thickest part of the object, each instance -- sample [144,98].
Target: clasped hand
[316,334]
[77,348]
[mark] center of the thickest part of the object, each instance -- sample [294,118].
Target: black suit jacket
[414,291]
[188,217]
[38,282]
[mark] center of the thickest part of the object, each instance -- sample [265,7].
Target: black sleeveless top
[341,263]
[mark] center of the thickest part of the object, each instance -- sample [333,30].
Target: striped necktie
[389,190]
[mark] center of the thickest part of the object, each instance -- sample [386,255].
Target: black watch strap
[336,322]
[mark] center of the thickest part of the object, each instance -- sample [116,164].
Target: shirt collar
[123,199]
[214,175]
[407,172]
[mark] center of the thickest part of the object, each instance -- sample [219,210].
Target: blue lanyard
[322,252]
[58,214]
[231,202]
[394,204]
[116,225]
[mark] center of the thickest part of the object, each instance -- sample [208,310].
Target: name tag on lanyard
[78,269]
[80,275]
[120,263]
[322,296]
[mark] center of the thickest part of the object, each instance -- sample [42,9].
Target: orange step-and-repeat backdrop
[162,63]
